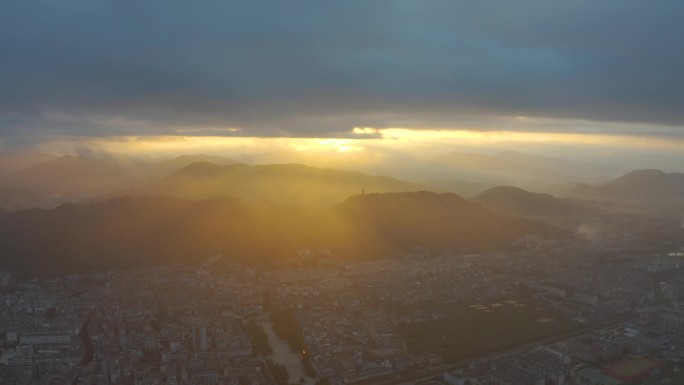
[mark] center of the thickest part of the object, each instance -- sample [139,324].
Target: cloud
[318,68]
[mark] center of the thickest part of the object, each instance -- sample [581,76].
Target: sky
[542,76]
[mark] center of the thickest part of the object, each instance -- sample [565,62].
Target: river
[284,356]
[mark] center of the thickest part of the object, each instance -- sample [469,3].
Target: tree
[279,372]
[287,328]
[259,337]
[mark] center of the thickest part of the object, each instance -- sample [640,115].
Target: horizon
[385,192]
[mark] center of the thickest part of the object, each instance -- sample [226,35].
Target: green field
[632,366]
[467,332]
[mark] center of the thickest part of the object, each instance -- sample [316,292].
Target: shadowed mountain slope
[515,201]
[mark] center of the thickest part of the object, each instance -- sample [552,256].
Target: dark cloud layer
[318,68]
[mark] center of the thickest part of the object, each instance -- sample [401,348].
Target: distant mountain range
[509,166]
[167,167]
[529,171]
[458,187]
[15,161]
[63,179]
[282,184]
[74,179]
[646,185]
[39,180]
[148,230]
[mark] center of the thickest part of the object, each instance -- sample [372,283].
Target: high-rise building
[199,337]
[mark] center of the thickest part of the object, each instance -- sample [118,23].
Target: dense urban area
[555,312]
[385,192]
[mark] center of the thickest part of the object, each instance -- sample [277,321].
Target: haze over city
[382,192]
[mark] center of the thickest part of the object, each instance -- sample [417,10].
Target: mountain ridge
[167,167]
[283,184]
[516,201]
[63,179]
[647,183]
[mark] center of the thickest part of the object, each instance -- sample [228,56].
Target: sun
[326,145]
[342,145]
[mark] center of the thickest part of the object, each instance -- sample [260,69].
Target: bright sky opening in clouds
[369,142]
[349,77]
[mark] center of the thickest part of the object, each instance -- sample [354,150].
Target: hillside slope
[640,184]
[148,230]
[280,184]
